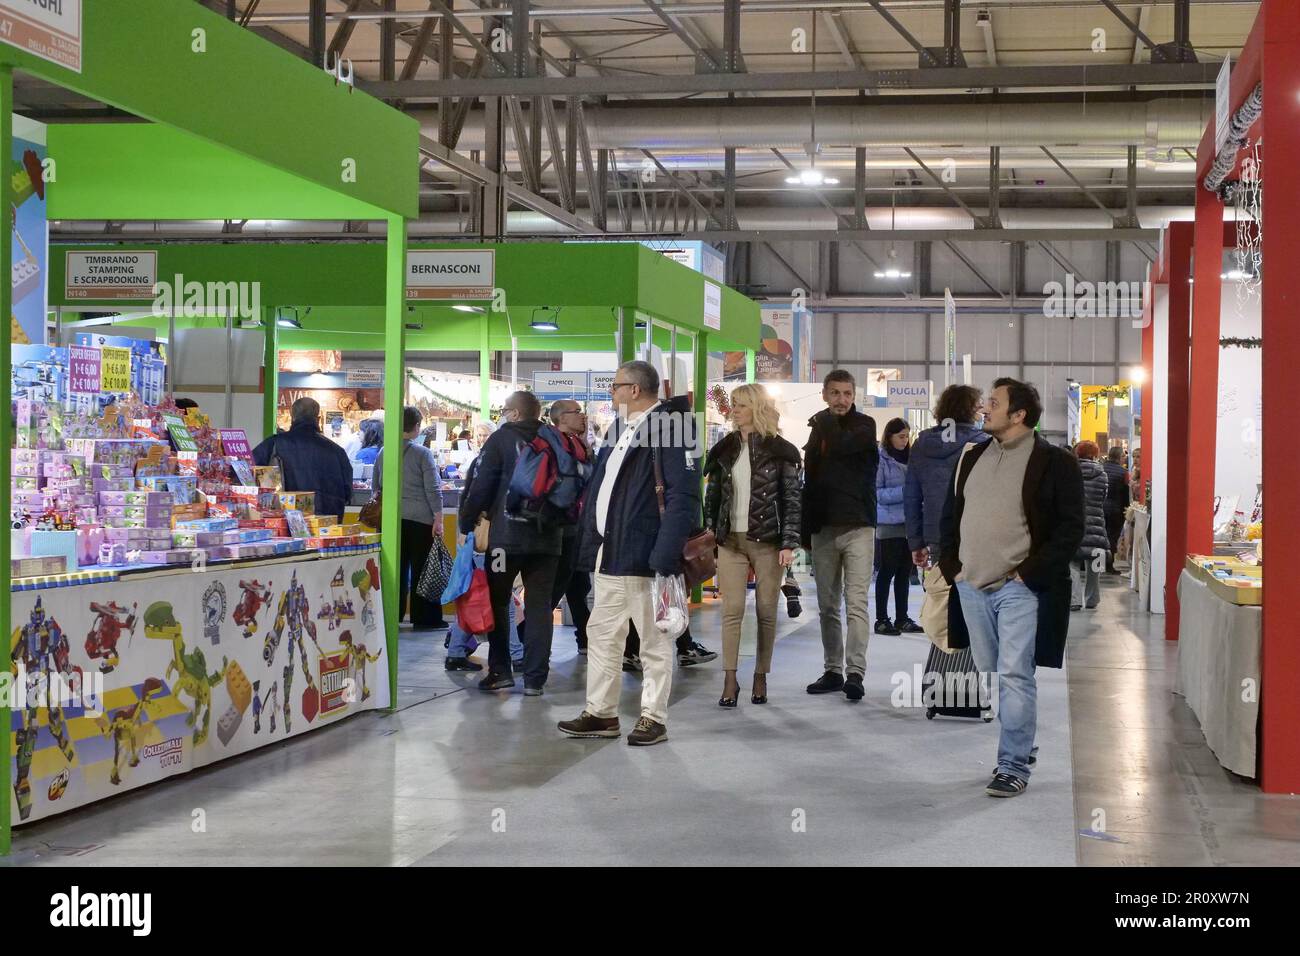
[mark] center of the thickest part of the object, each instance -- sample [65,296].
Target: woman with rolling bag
[932,467]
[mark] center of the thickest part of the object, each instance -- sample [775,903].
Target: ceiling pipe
[1165,123]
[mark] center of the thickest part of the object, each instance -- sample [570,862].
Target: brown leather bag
[372,512]
[700,552]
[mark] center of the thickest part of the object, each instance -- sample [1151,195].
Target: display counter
[1219,671]
[127,677]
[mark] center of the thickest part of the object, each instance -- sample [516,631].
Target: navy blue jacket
[485,493]
[311,463]
[929,476]
[637,542]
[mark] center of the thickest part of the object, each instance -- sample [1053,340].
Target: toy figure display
[294,614]
[191,669]
[256,595]
[127,729]
[270,704]
[367,580]
[337,609]
[42,648]
[101,642]
[357,655]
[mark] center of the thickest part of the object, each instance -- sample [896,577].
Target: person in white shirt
[627,536]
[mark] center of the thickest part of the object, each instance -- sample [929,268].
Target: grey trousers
[1085,583]
[842,559]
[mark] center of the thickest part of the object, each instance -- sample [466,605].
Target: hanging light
[894,269]
[548,321]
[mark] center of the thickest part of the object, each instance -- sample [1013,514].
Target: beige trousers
[619,600]
[736,556]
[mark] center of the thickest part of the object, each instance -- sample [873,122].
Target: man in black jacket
[1011,525]
[839,521]
[626,540]
[515,547]
[308,460]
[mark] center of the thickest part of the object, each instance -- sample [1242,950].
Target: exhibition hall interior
[618,433]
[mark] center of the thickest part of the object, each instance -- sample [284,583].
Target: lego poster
[30,253]
[122,684]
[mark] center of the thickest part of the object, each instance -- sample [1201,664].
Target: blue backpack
[549,477]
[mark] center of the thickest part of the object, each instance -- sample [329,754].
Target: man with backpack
[571,421]
[523,539]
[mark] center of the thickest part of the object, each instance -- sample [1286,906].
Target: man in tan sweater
[1012,522]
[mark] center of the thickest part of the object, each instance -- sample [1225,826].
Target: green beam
[6,423]
[484,368]
[394,370]
[270,370]
[627,335]
[699,398]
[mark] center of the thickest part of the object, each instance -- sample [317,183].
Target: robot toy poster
[118,685]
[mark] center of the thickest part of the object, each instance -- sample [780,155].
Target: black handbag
[437,572]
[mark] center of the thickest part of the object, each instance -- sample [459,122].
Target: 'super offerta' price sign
[234,442]
[115,369]
[84,367]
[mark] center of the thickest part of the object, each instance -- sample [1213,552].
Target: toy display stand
[129,677]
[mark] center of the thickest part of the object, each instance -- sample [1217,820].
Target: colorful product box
[169,556]
[26,483]
[198,539]
[288,545]
[207,524]
[249,535]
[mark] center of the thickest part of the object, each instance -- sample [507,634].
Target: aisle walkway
[460,777]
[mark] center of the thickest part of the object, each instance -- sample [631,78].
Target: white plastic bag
[670,605]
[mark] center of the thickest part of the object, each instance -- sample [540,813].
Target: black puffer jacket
[1095,485]
[774,489]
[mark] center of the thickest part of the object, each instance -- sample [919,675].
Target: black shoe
[462,664]
[495,681]
[853,688]
[647,732]
[1076,607]
[826,684]
[909,626]
[582,649]
[695,653]
[755,697]
[1005,785]
[631,664]
[885,626]
[588,726]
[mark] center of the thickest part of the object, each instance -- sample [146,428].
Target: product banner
[29,254]
[121,684]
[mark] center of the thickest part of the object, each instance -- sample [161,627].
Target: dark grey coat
[1095,486]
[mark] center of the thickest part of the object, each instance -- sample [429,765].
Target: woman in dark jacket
[1085,571]
[894,558]
[752,505]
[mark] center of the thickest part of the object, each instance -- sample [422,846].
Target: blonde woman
[752,505]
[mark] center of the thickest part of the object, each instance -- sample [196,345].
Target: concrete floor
[456,776]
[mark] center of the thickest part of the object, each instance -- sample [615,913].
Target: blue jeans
[1002,626]
[463,645]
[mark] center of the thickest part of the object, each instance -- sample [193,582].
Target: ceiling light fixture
[549,321]
[467,308]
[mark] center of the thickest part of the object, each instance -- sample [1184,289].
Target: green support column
[699,398]
[271,371]
[394,369]
[485,367]
[750,365]
[6,424]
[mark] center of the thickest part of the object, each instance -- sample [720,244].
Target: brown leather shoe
[647,732]
[588,726]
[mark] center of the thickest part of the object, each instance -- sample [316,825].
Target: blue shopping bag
[462,571]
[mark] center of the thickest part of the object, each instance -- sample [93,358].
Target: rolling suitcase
[951,686]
